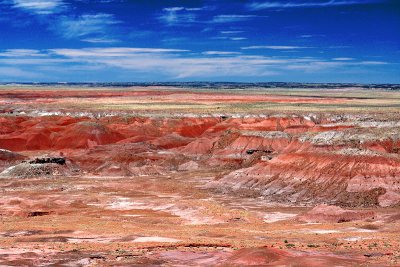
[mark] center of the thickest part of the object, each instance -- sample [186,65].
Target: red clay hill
[286,158]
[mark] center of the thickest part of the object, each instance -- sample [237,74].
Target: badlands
[174,176]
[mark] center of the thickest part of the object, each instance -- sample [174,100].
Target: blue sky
[170,40]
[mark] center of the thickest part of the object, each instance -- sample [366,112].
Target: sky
[176,41]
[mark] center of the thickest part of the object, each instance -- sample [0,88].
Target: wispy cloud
[40,7]
[220,53]
[238,38]
[112,51]
[171,63]
[20,53]
[17,73]
[60,18]
[315,66]
[231,18]
[274,47]
[343,58]
[179,15]
[373,63]
[167,63]
[88,27]
[184,16]
[231,32]
[100,40]
[232,38]
[174,63]
[305,4]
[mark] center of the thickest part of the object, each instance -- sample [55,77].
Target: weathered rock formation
[298,159]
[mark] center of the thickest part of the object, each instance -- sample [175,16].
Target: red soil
[332,214]
[284,167]
[276,257]
[148,177]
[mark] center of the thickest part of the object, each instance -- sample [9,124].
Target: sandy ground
[172,220]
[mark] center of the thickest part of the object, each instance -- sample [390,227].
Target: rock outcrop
[34,170]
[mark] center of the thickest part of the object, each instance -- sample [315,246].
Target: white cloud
[223,53]
[96,25]
[231,18]
[232,38]
[173,9]
[40,7]
[343,58]
[183,16]
[178,15]
[20,53]
[92,28]
[238,38]
[274,47]
[305,4]
[111,51]
[315,66]
[180,8]
[13,72]
[231,32]
[174,63]
[373,63]
[101,40]
[168,63]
